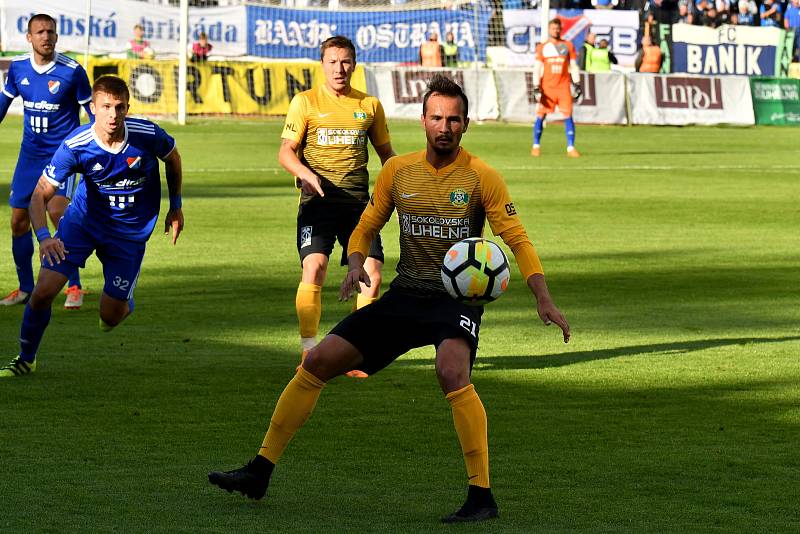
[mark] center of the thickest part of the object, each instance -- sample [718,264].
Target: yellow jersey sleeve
[377,213]
[504,222]
[379,131]
[296,124]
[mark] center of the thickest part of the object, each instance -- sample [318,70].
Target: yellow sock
[471,427]
[105,327]
[292,411]
[362,300]
[309,308]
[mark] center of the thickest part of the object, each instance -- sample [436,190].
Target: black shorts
[398,322]
[320,224]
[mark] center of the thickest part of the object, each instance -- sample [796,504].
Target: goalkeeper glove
[577,91]
[537,94]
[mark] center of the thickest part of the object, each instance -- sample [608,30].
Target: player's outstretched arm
[174,173]
[548,312]
[51,249]
[355,274]
[287,157]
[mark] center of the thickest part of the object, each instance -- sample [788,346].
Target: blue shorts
[26,176]
[121,258]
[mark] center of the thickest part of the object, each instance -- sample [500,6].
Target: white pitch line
[533,167]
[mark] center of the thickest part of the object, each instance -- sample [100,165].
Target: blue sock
[30,334]
[22,250]
[569,126]
[74,278]
[538,127]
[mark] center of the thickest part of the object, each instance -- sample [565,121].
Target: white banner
[112,22]
[678,100]
[620,28]
[401,90]
[602,102]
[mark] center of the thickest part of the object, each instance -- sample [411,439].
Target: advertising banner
[679,100]
[401,90]
[620,28]
[602,102]
[112,21]
[379,36]
[739,50]
[216,87]
[776,101]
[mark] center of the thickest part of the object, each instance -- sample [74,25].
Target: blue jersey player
[52,88]
[113,213]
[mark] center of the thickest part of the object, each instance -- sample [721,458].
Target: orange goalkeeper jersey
[555,56]
[436,208]
[332,133]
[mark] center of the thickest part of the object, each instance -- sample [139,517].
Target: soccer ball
[475,271]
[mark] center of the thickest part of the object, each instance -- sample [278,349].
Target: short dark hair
[555,21]
[112,85]
[41,16]
[337,41]
[442,85]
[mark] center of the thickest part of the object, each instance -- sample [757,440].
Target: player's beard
[444,150]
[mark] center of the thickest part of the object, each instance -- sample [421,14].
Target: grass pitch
[676,407]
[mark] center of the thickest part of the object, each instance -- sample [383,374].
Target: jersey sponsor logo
[97,167]
[25,81]
[341,137]
[305,236]
[453,228]
[127,182]
[510,210]
[362,115]
[290,127]
[135,163]
[120,201]
[42,105]
[459,197]
[408,195]
[53,86]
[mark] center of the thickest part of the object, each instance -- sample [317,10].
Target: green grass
[676,407]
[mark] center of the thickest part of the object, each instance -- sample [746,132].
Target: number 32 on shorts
[469,325]
[123,284]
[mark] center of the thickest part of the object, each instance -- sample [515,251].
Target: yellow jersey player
[442,194]
[325,147]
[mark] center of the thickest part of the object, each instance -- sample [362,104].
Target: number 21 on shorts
[469,325]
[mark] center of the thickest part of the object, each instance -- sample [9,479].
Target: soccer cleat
[355,373]
[74,298]
[15,297]
[479,506]
[17,367]
[573,153]
[535,152]
[251,480]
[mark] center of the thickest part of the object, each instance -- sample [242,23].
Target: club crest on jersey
[459,197]
[134,163]
[53,86]
[362,115]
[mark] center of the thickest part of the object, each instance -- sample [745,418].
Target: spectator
[201,49]
[604,4]
[586,50]
[139,47]
[770,14]
[430,52]
[450,49]
[745,16]
[792,22]
[684,13]
[711,18]
[649,57]
[723,11]
[600,58]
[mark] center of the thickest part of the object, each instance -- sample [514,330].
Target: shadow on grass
[570,358]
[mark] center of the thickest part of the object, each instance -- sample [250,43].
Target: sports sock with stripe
[293,409]
[34,323]
[469,418]
[569,130]
[538,128]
